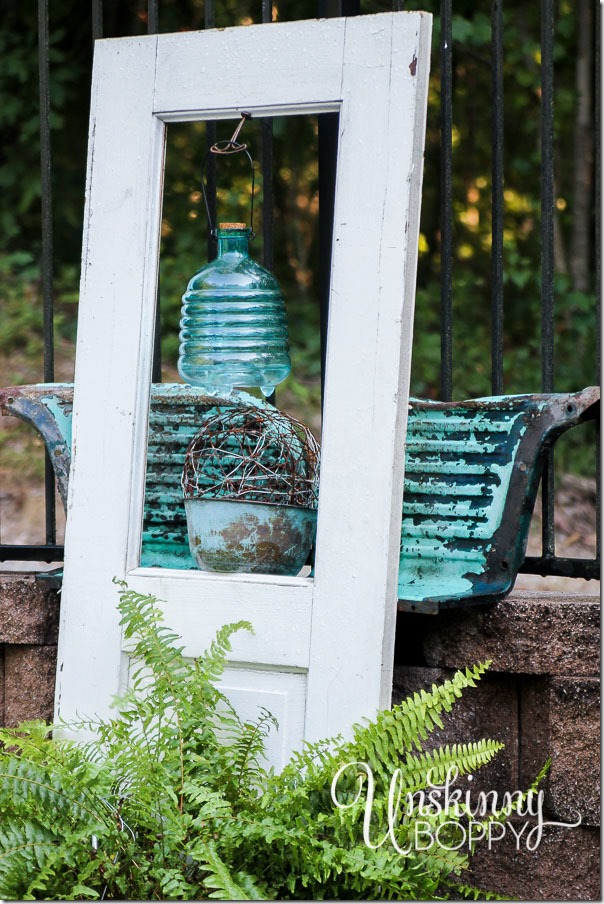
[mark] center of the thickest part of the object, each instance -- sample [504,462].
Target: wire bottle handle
[224,148]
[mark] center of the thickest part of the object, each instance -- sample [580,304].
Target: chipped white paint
[326,644]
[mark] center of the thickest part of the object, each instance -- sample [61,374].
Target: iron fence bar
[47,244]
[266,128]
[548,539]
[598,257]
[497,199]
[267,171]
[547,196]
[97,19]
[152,29]
[328,125]
[152,17]
[327,152]
[52,552]
[327,9]
[212,243]
[558,566]
[268,251]
[446,200]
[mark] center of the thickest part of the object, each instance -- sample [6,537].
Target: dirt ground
[575,527]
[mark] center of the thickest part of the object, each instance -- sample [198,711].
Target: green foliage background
[296,194]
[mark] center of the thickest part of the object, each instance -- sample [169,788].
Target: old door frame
[337,629]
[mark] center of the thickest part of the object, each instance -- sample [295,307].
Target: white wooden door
[321,656]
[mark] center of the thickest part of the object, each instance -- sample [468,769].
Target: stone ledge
[574,720]
[29,611]
[533,633]
[489,710]
[560,719]
[537,718]
[29,682]
[564,867]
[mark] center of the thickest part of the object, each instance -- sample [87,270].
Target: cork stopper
[232,226]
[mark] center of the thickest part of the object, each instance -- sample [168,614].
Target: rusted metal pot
[257,537]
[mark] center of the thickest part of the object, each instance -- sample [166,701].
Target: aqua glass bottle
[233,329]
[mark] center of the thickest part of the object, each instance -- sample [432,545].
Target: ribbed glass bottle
[233,329]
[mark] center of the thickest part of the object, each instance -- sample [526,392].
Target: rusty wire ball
[253,454]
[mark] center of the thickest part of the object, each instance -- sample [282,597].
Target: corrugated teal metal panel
[472,471]
[174,420]
[460,465]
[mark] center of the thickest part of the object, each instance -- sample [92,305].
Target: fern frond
[154,644]
[175,886]
[313,755]
[169,798]
[225,885]
[247,748]
[38,857]
[541,775]
[436,765]
[207,804]
[211,664]
[19,859]
[27,786]
[472,893]
[398,730]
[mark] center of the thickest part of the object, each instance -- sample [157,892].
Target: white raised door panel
[321,655]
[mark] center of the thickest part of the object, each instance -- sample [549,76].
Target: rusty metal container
[261,538]
[250,485]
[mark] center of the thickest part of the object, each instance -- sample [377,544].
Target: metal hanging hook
[231,146]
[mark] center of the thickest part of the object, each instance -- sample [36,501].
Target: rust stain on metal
[227,535]
[471,477]
[455,456]
[272,542]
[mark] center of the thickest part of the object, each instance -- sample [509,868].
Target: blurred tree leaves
[296,189]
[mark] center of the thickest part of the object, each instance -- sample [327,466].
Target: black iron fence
[443,63]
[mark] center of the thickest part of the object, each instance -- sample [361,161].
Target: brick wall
[29,621]
[541,698]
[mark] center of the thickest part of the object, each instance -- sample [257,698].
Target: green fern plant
[171,799]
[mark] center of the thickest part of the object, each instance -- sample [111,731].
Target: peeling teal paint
[62,413]
[471,476]
[452,508]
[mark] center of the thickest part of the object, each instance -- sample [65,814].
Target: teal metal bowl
[232,535]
